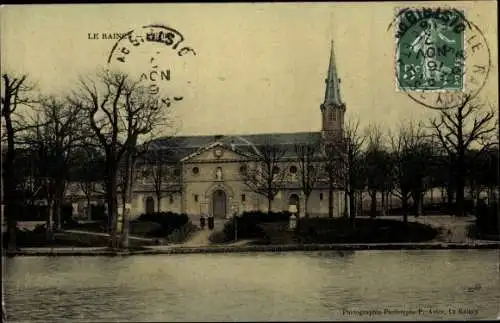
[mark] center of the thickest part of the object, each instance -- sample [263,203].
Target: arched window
[196,170]
[293,169]
[243,169]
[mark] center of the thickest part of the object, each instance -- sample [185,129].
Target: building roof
[178,147]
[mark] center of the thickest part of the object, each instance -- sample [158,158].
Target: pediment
[215,152]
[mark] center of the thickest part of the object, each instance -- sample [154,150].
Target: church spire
[332,93]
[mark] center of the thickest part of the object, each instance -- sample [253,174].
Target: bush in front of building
[249,226]
[181,234]
[341,230]
[169,222]
[487,219]
[264,217]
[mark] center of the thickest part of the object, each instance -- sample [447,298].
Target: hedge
[169,222]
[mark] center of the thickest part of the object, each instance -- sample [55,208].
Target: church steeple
[333,108]
[332,92]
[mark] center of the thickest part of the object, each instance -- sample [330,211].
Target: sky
[258,68]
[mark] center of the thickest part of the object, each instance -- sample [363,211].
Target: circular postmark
[441,57]
[158,55]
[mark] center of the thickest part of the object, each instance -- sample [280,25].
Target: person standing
[202,222]
[211,222]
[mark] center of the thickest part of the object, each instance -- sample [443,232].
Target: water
[365,285]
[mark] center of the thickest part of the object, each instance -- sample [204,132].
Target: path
[201,238]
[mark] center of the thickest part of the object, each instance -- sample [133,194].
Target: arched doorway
[219,204]
[294,200]
[150,205]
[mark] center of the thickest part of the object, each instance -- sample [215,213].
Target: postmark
[158,55]
[440,57]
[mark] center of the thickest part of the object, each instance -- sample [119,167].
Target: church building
[209,174]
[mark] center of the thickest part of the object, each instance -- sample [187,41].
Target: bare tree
[377,165]
[458,129]
[333,156]
[16,92]
[265,173]
[88,171]
[120,112]
[309,168]
[350,169]
[56,132]
[165,180]
[411,156]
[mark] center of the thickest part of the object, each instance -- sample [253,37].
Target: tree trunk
[373,204]
[11,226]
[404,201]
[330,197]
[128,200]
[89,209]
[417,198]
[269,204]
[384,201]
[360,203]
[58,202]
[352,205]
[346,205]
[111,196]
[450,196]
[306,200]
[57,214]
[459,211]
[158,200]
[9,197]
[50,220]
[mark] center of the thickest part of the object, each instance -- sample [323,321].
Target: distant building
[207,172]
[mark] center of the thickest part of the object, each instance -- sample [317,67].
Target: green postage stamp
[430,49]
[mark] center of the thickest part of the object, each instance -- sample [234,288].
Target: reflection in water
[254,286]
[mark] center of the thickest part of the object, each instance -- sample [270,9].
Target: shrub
[182,234]
[264,217]
[145,229]
[340,230]
[249,224]
[169,222]
[487,218]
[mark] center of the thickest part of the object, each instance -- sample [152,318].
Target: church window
[293,169]
[334,115]
[243,198]
[243,169]
[196,170]
[171,199]
[196,197]
[321,196]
